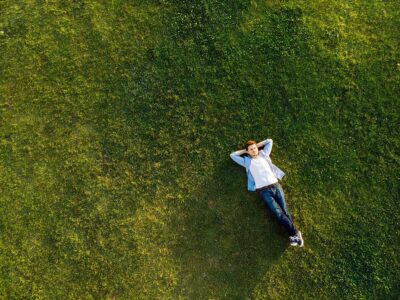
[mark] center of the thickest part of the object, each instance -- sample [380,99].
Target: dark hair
[249,143]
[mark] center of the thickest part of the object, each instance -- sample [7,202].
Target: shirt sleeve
[267,147]
[237,159]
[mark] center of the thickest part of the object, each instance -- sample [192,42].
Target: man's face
[252,150]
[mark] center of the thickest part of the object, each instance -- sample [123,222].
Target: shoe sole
[301,239]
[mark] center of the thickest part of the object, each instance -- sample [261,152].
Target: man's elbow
[269,143]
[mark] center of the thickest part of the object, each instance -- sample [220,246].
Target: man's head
[251,148]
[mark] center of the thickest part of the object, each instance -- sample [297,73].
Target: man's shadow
[238,237]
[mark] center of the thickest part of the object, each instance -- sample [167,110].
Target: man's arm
[267,146]
[237,158]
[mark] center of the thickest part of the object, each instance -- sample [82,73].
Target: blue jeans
[275,200]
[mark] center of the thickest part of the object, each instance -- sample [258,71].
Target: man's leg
[280,198]
[268,196]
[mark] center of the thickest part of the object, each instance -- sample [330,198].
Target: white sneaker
[299,238]
[293,240]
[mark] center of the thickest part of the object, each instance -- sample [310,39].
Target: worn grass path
[116,123]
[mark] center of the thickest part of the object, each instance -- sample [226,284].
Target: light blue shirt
[245,162]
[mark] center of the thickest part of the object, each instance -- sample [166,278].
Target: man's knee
[278,213]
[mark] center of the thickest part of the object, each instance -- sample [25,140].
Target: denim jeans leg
[268,196]
[280,198]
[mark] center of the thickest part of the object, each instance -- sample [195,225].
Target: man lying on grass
[262,176]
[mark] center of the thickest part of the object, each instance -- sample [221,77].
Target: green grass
[116,123]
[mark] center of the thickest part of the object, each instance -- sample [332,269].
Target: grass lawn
[117,119]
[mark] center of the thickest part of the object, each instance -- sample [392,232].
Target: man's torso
[261,172]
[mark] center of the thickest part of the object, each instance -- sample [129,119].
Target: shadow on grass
[227,238]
